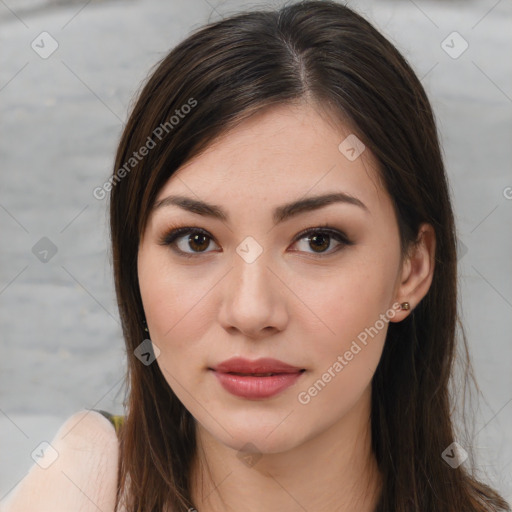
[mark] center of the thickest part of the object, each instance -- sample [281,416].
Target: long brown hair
[321,52]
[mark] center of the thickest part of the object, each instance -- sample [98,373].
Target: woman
[282,232]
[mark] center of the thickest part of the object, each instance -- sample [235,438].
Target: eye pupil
[194,239]
[324,238]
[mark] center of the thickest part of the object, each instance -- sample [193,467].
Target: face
[311,287]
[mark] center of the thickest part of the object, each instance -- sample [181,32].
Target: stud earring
[405,305]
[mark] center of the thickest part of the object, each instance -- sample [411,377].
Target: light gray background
[61,117]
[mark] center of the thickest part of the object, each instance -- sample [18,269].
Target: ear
[417,271]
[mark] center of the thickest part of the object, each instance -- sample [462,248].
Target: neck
[335,471]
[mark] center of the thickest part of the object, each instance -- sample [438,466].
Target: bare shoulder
[76,471]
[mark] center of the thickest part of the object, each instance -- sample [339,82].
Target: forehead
[280,154]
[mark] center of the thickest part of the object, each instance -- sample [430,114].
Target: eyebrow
[280,214]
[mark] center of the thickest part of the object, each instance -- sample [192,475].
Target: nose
[254,299]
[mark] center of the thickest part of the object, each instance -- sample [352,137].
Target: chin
[257,437]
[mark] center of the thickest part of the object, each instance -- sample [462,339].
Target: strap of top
[116,420]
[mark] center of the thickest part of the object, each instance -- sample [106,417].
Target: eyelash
[174,233]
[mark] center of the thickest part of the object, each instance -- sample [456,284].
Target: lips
[264,367]
[256,380]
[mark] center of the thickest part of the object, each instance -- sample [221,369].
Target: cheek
[349,331]
[342,305]
[174,301]
[346,355]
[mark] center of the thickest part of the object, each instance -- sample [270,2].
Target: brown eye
[187,241]
[319,240]
[198,242]
[190,242]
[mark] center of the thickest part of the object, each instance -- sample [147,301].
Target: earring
[405,305]
[145,325]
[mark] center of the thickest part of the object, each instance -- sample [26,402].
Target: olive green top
[116,420]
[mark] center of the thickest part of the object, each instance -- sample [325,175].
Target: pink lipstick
[258,379]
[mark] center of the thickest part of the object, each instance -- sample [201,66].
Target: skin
[296,302]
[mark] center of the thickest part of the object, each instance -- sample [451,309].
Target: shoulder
[77,470]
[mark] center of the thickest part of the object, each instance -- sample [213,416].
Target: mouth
[257,386]
[257,379]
